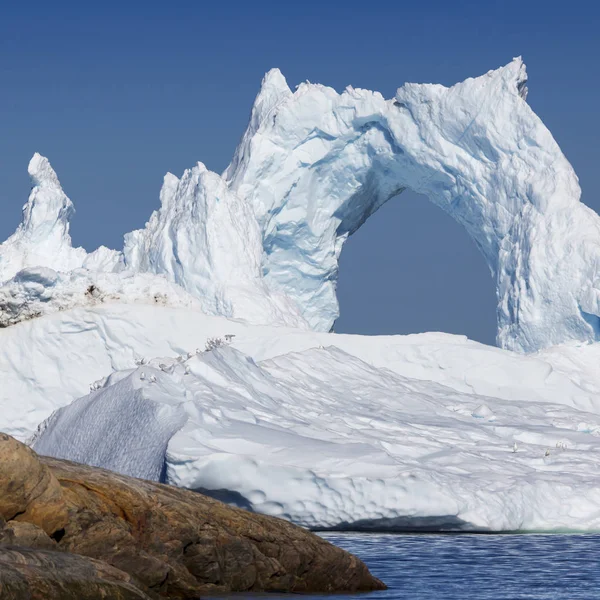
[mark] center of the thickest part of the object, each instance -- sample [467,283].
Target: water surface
[477,567]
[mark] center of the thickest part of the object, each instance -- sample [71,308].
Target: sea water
[477,567]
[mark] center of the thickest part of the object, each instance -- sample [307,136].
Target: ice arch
[316,164]
[262,242]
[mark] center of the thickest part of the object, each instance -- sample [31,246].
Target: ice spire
[48,210]
[274,90]
[42,239]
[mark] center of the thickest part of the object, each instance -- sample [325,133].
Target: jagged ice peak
[262,242]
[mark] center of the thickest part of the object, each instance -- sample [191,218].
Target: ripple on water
[477,567]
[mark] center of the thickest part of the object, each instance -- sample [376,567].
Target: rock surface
[28,490]
[170,542]
[51,575]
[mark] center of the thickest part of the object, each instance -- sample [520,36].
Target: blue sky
[117,94]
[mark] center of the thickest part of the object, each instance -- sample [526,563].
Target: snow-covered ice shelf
[328,441]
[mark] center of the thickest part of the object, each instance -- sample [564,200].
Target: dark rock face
[172,542]
[50,575]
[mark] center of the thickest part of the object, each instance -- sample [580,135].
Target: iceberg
[42,239]
[262,242]
[202,248]
[201,354]
[316,164]
[207,240]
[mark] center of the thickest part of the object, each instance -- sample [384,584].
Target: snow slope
[48,362]
[326,440]
[262,242]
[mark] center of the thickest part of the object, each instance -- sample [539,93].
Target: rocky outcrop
[52,575]
[170,542]
[28,490]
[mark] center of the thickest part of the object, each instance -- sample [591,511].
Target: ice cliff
[262,242]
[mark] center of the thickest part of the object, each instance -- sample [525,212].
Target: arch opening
[411,268]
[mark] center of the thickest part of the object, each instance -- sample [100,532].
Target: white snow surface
[262,242]
[37,291]
[324,439]
[48,362]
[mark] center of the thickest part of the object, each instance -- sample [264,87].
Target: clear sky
[117,94]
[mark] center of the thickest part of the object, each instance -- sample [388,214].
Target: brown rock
[28,490]
[47,575]
[29,535]
[6,534]
[181,544]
